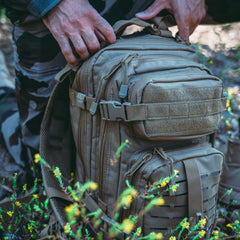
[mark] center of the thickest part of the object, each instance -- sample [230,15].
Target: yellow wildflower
[174,188]
[159,236]
[216,234]
[229,225]
[186,225]
[93,186]
[158,201]
[68,209]
[201,234]
[18,204]
[25,187]
[176,171]
[134,193]
[10,213]
[203,222]
[127,225]
[67,228]
[57,173]
[230,92]
[163,184]
[154,235]
[126,141]
[228,104]
[30,228]
[172,238]
[35,196]
[73,209]
[36,157]
[139,231]
[127,200]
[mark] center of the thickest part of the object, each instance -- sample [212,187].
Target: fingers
[67,50]
[104,30]
[154,9]
[79,46]
[183,26]
[188,15]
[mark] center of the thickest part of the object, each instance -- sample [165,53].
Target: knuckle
[71,60]
[81,50]
[85,55]
[109,31]
[94,47]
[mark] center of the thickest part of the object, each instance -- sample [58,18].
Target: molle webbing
[110,110]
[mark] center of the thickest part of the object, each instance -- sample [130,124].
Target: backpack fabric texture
[231,175]
[150,90]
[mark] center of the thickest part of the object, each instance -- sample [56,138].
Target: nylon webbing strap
[63,74]
[195,198]
[113,110]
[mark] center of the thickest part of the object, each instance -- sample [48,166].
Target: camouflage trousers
[37,59]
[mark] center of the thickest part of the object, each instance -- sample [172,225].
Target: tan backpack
[147,89]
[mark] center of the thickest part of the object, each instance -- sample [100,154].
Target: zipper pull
[137,165]
[124,86]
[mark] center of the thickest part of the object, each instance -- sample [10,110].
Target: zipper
[166,59]
[137,165]
[135,178]
[145,82]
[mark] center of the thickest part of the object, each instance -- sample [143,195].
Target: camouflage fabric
[37,60]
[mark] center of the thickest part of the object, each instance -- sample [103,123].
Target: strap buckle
[113,110]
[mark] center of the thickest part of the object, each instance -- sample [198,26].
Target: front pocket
[199,169]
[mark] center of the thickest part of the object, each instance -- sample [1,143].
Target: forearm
[38,8]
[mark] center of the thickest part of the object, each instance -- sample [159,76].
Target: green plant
[28,218]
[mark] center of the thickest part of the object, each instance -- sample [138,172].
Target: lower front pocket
[192,193]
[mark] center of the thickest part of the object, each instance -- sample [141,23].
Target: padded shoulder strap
[57,146]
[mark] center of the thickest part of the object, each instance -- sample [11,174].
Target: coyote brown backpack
[147,89]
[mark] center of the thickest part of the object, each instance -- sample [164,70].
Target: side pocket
[199,168]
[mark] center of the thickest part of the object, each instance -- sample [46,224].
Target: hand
[188,14]
[78,24]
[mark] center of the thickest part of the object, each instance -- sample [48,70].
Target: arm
[77,22]
[188,13]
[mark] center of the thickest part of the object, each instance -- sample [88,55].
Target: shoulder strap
[57,148]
